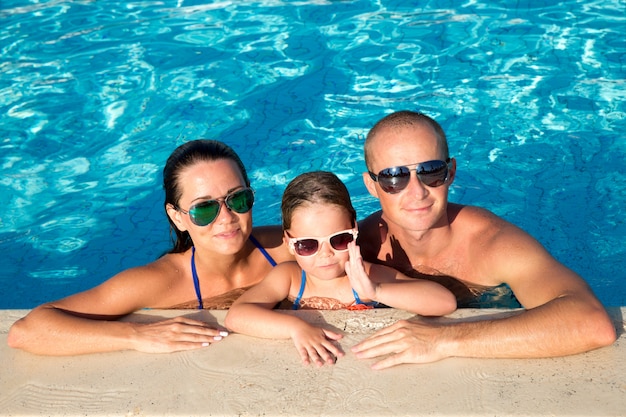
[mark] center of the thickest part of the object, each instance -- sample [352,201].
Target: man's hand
[405,342]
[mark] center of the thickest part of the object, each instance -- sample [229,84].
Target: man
[471,251]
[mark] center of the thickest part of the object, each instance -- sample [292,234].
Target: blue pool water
[95,95]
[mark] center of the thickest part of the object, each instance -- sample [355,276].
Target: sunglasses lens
[340,241]
[308,247]
[393,180]
[204,213]
[241,201]
[433,173]
[305,247]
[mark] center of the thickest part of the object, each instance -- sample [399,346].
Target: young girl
[319,226]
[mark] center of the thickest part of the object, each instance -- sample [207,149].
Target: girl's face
[320,221]
[210,180]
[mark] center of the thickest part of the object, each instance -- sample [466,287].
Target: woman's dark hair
[184,156]
[315,187]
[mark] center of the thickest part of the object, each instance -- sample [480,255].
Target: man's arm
[545,331]
[562,315]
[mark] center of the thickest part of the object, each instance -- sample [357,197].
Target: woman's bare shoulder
[168,263]
[154,277]
[127,291]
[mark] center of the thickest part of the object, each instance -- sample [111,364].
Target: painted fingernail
[205,344]
[217,338]
[223,334]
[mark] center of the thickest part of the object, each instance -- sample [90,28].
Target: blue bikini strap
[263,251]
[194,274]
[296,303]
[196,281]
[358,300]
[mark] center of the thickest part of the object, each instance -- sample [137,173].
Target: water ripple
[95,96]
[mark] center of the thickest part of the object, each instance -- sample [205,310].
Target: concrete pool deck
[244,376]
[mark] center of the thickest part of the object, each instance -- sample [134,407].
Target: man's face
[417,207]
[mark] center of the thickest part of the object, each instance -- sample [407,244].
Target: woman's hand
[174,335]
[316,345]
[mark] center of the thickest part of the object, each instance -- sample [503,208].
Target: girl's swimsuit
[194,274]
[297,301]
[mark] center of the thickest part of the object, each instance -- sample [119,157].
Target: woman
[216,256]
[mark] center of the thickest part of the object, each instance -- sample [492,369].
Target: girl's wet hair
[184,156]
[314,188]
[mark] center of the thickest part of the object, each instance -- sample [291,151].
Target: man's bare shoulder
[371,235]
[490,237]
[271,239]
[475,219]
[270,236]
[370,223]
[369,227]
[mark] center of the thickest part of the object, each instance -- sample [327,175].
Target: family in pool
[419,253]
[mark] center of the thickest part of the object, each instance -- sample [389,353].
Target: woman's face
[210,180]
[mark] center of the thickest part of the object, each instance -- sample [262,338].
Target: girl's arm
[252,314]
[394,289]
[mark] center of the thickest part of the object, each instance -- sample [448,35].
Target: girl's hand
[316,345]
[359,280]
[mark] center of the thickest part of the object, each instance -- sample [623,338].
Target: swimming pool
[95,95]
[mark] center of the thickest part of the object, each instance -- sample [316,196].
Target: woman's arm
[87,322]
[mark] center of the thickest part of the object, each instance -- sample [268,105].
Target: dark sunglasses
[309,246]
[205,212]
[395,179]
